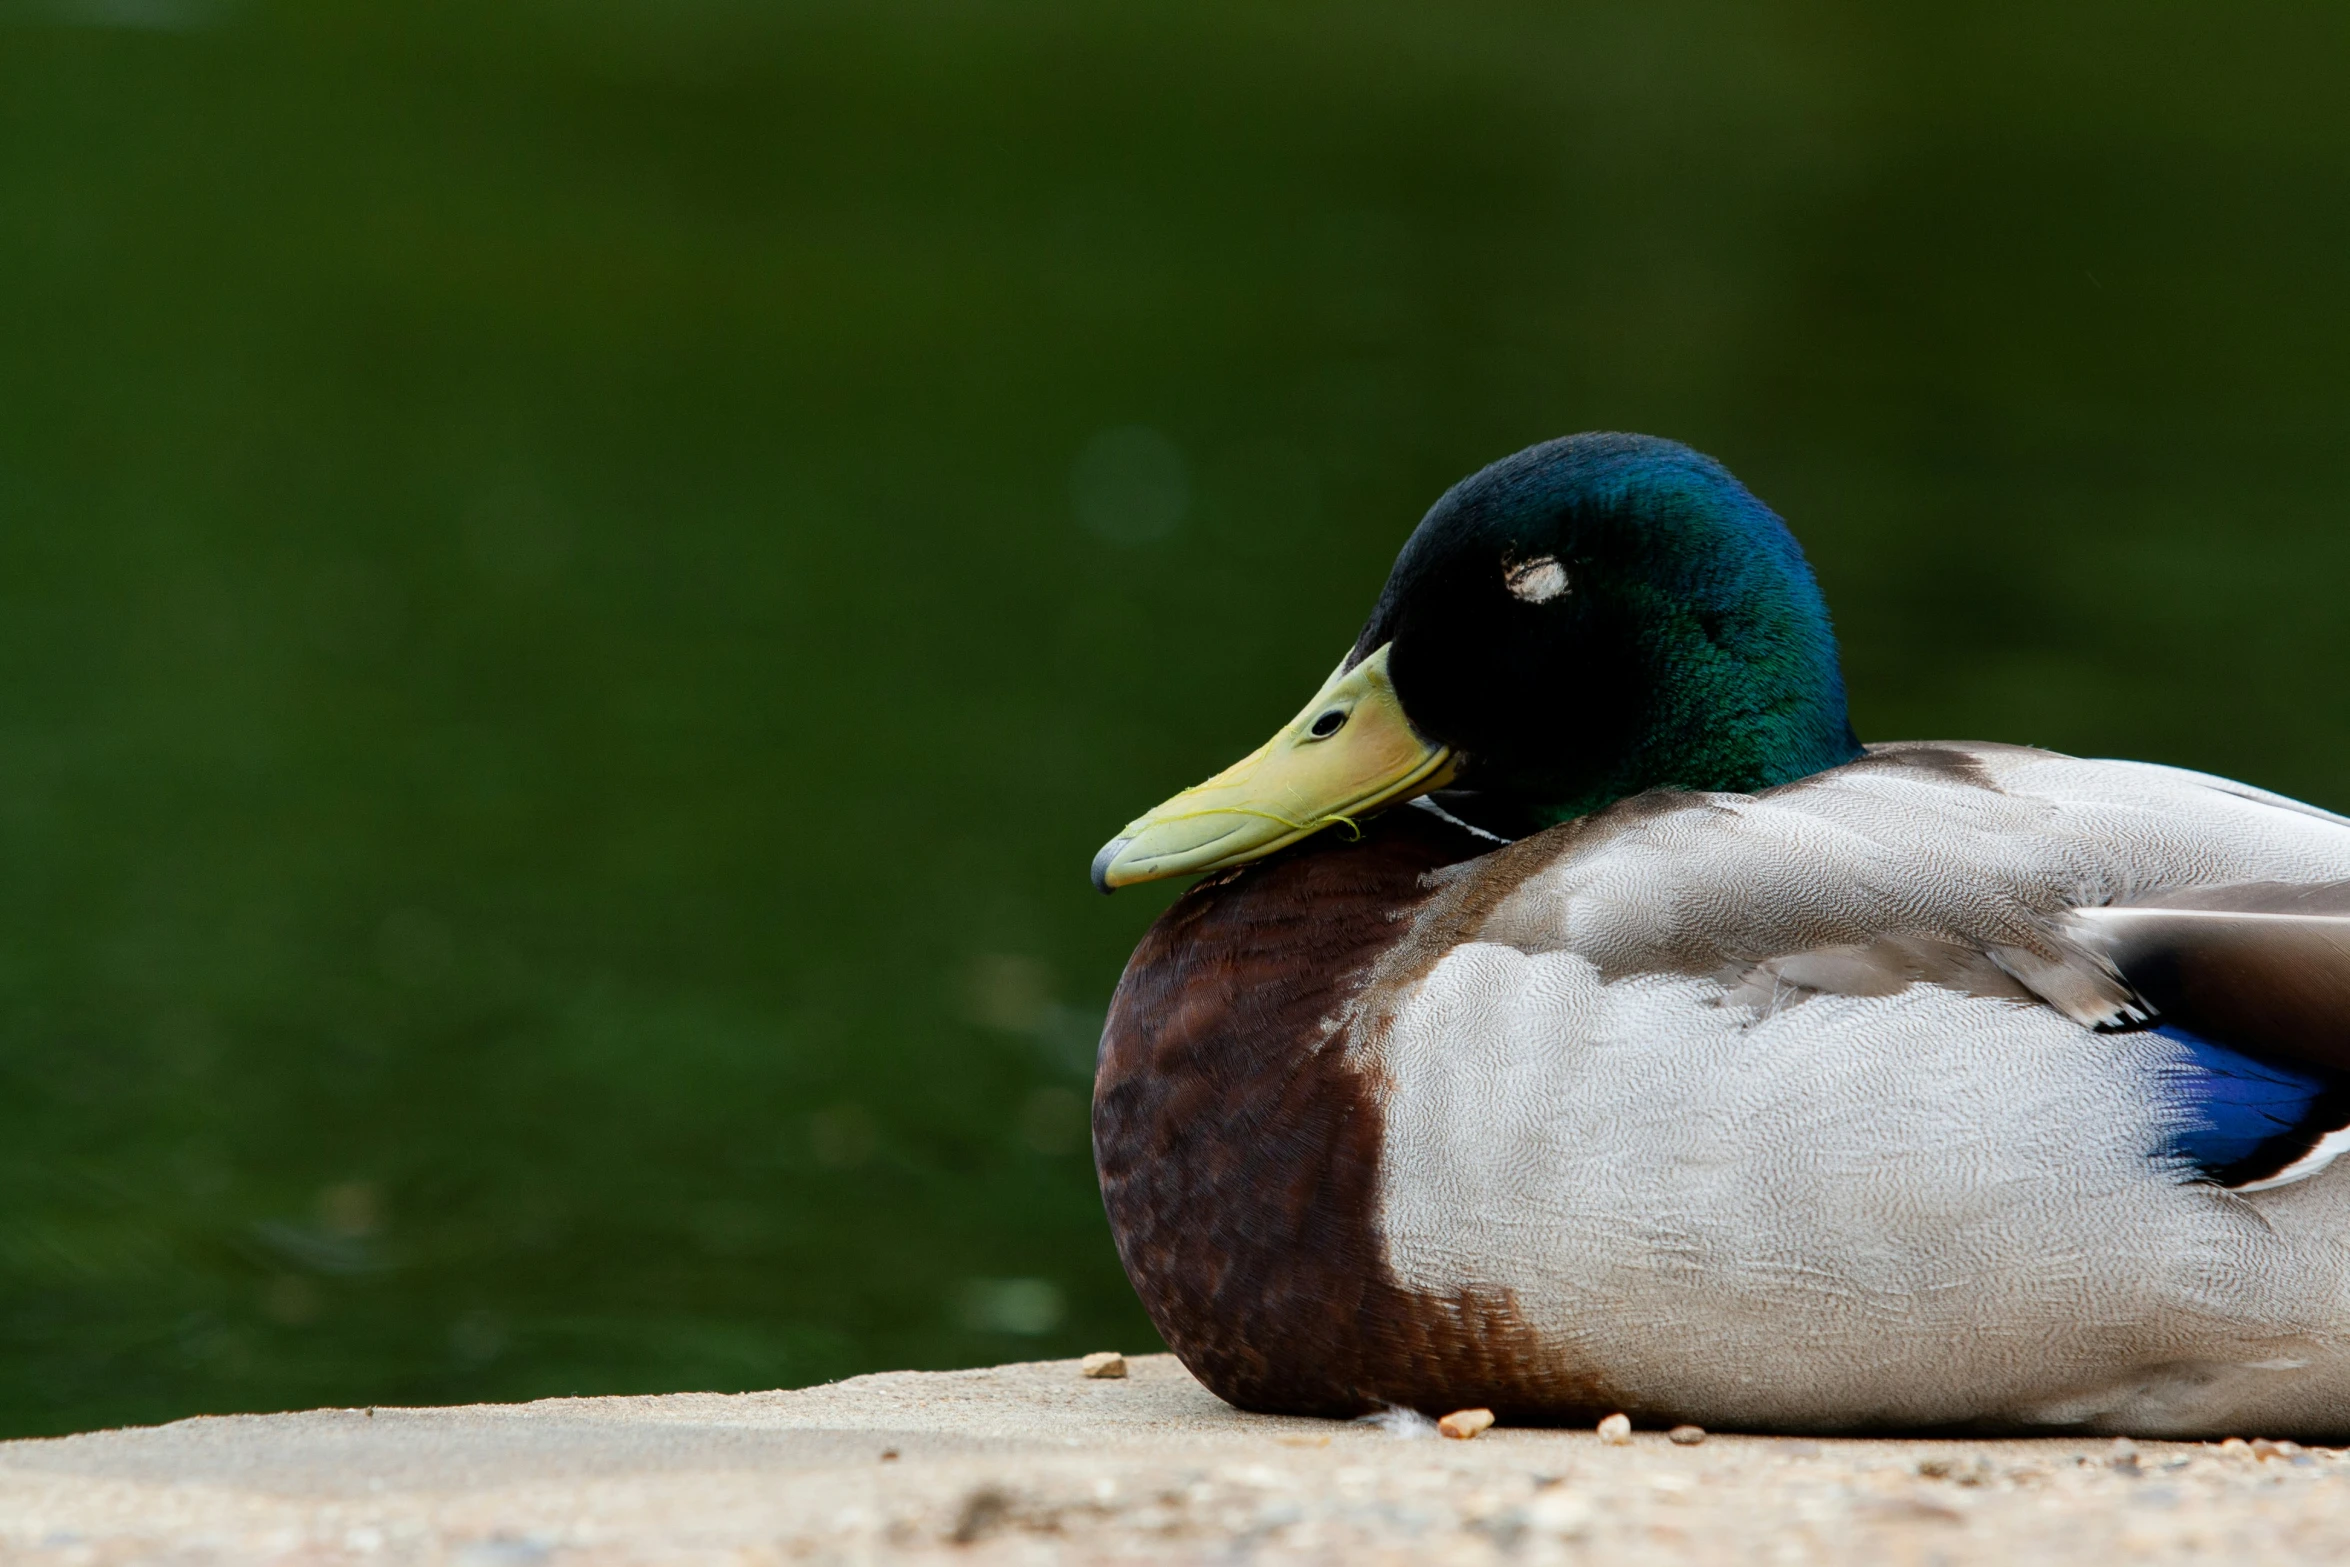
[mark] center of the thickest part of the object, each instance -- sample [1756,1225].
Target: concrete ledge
[1038,1463]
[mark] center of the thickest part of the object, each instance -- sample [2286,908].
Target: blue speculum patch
[2244,1118]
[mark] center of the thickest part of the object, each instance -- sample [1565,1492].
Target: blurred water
[580,583]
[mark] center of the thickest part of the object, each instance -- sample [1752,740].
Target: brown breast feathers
[1238,1137]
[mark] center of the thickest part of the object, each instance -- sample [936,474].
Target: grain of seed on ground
[1462,1424]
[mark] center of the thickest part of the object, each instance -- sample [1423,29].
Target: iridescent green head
[1587,619]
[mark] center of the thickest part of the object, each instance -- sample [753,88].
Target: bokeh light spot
[1024,1307]
[1130,485]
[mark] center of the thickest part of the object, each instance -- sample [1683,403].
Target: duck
[1572,1016]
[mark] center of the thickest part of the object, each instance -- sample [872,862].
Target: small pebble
[2262,1447]
[1976,1470]
[2123,1454]
[2236,1447]
[1616,1430]
[889,1455]
[1462,1424]
[1685,1436]
[1103,1363]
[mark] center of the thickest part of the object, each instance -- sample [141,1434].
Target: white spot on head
[1537,581]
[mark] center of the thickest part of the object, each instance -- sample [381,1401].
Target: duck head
[1590,618]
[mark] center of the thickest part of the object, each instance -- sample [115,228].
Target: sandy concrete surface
[1036,1463]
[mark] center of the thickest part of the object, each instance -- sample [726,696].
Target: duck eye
[1329,724]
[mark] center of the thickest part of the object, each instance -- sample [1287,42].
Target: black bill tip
[1101,864]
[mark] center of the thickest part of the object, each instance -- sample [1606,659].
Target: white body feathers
[1639,1103]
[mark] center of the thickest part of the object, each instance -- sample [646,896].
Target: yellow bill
[1350,751]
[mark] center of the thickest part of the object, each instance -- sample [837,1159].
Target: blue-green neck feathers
[1606,614]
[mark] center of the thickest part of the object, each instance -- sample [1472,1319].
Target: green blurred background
[581,581]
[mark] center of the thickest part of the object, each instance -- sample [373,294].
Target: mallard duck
[1574,1016]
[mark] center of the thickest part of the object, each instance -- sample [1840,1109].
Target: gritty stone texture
[1039,1463]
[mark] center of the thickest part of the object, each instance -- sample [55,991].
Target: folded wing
[2259,966]
[2252,980]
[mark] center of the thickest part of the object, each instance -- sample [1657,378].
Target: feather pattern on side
[1703,1079]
